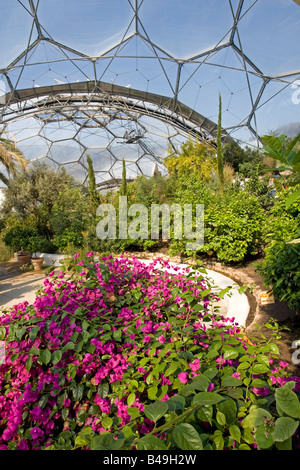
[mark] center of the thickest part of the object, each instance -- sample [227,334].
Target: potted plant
[23,257]
[36,245]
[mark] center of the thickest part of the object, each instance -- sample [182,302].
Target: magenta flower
[262,392]
[283,364]
[36,433]
[195,365]
[183,377]
[237,375]
[161,339]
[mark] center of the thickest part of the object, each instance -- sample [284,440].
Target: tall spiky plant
[219,147]
[94,197]
[123,187]
[11,158]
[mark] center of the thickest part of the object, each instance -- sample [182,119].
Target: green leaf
[229,353]
[285,427]
[218,440]
[150,443]
[117,335]
[285,445]
[43,401]
[170,370]
[205,413]
[103,390]
[65,413]
[256,417]
[235,432]
[56,357]
[259,369]
[176,402]
[106,441]
[77,391]
[94,410]
[2,333]
[186,437]
[263,439]
[45,356]
[292,198]
[229,409]
[207,398]
[156,410]
[201,383]
[287,401]
[221,418]
[33,332]
[28,363]
[131,399]
[82,441]
[69,345]
[228,381]
[244,447]
[107,422]
[152,392]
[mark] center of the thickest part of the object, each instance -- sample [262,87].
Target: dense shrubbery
[281,265]
[116,355]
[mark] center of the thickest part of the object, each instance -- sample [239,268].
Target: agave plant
[11,158]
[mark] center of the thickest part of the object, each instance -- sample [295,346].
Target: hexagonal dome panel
[129,79]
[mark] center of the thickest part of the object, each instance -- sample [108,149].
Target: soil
[260,313]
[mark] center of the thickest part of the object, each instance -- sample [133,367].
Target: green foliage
[6,252]
[68,238]
[220,147]
[281,265]
[35,192]
[195,157]
[93,194]
[19,238]
[123,188]
[233,223]
[246,161]
[285,151]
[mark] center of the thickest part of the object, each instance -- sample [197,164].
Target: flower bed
[119,355]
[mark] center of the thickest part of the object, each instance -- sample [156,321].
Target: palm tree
[11,158]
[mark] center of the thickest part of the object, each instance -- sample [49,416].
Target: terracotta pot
[37,263]
[23,259]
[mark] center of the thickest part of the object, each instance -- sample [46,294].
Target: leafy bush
[281,271]
[281,265]
[233,225]
[67,238]
[117,355]
[18,237]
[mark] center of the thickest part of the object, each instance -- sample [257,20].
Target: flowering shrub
[119,355]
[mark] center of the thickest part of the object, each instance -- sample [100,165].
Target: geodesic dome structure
[131,79]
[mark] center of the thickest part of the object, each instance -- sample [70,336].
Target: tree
[11,158]
[94,197]
[194,157]
[123,187]
[34,192]
[219,147]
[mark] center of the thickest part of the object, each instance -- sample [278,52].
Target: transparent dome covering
[131,79]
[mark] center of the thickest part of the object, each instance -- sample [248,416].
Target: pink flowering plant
[114,354]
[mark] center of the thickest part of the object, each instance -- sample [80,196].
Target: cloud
[290,130]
